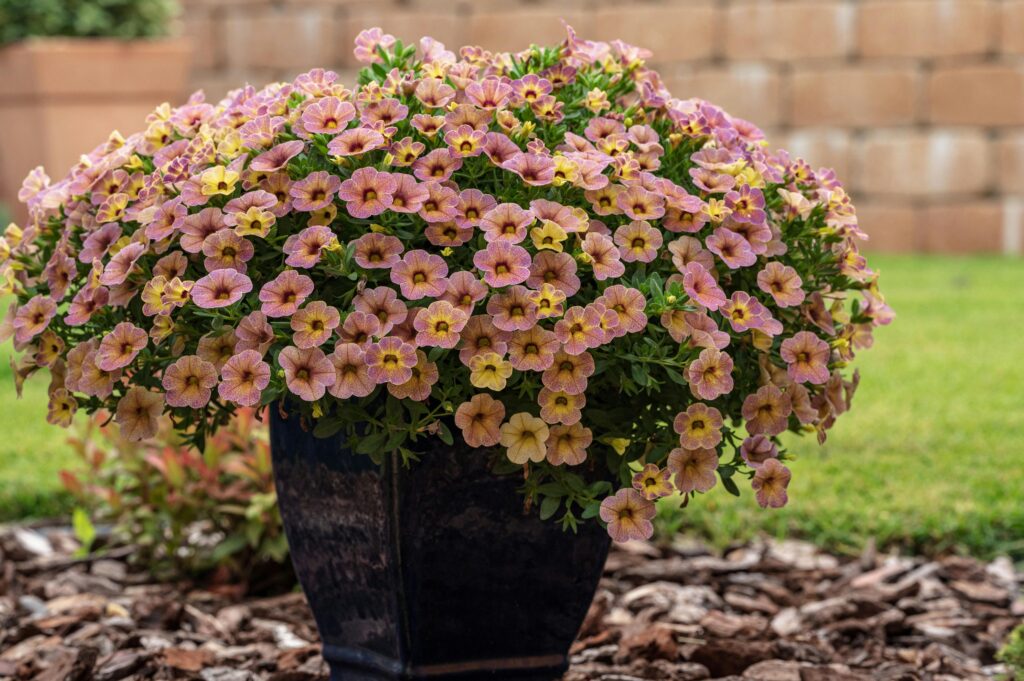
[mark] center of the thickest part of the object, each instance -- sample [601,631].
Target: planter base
[433,571]
[351,664]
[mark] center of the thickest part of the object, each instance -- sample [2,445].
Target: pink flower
[220,288]
[532,349]
[254,333]
[770,483]
[283,295]
[437,166]
[368,192]
[628,515]
[640,204]
[277,157]
[757,449]
[355,142]
[782,283]
[638,241]
[440,204]
[226,250]
[352,378]
[628,305]
[604,256]
[314,324]
[701,287]
[503,264]
[473,205]
[699,427]
[694,469]
[360,328]
[480,336]
[807,358]
[489,93]
[439,325]
[732,248]
[329,115]
[506,222]
[383,303]
[121,346]
[122,264]
[464,291]
[534,169]
[243,378]
[377,251]
[33,317]
[367,43]
[198,226]
[556,269]
[409,194]
[307,372]
[569,373]
[744,312]
[512,310]
[305,249]
[189,382]
[99,242]
[710,375]
[767,411]
[315,191]
[579,330]
[390,361]
[420,275]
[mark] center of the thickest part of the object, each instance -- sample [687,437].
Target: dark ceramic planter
[433,571]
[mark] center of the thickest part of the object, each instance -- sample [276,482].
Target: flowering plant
[544,250]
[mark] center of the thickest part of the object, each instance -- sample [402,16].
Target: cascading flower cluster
[546,250]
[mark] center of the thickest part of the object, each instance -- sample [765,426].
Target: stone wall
[918,104]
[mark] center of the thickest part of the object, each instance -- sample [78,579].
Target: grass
[930,458]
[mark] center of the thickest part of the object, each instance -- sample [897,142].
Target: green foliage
[1012,652]
[187,512]
[124,19]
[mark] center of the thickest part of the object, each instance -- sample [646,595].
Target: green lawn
[931,457]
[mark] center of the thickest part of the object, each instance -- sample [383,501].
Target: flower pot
[60,97]
[434,571]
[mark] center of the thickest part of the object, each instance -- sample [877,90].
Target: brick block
[203,29]
[1011,27]
[751,91]
[891,227]
[1010,164]
[854,96]
[408,25]
[788,30]
[962,227]
[829,148]
[983,94]
[938,163]
[924,28]
[290,39]
[673,32]
[516,29]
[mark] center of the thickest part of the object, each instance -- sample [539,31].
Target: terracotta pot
[432,571]
[60,97]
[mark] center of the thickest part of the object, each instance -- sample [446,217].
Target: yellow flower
[13,234]
[548,300]
[254,222]
[619,444]
[325,216]
[489,370]
[549,236]
[524,437]
[597,100]
[566,170]
[218,180]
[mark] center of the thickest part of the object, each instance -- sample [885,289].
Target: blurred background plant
[124,19]
[1012,653]
[209,514]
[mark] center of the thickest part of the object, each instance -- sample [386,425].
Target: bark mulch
[779,611]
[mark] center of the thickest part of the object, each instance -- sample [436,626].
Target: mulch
[772,611]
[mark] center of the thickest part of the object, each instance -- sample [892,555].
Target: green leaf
[229,547]
[730,485]
[85,531]
[444,433]
[549,506]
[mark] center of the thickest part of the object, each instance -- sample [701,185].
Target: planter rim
[93,69]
